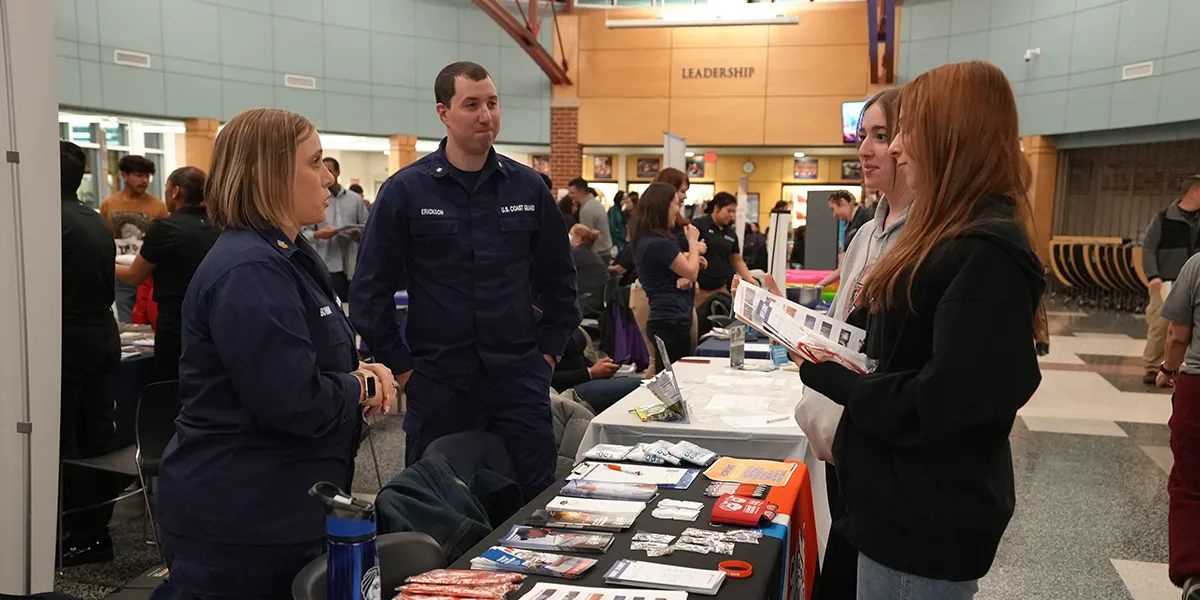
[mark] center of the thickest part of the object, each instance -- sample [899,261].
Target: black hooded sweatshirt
[922,452]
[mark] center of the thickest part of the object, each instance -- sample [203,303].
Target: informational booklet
[591,505]
[640,573]
[675,478]
[562,519]
[607,490]
[506,558]
[814,335]
[557,591]
[757,472]
[665,387]
[556,540]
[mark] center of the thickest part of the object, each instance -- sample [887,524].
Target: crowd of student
[942,276]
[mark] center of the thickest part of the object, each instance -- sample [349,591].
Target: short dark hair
[444,85]
[72,163]
[1190,183]
[841,196]
[337,166]
[579,183]
[650,214]
[546,179]
[354,187]
[721,200]
[136,164]
[191,180]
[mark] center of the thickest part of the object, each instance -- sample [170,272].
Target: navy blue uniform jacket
[474,263]
[269,405]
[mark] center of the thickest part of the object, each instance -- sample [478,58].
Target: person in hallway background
[591,271]
[358,189]
[756,248]
[172,251]
[334,238]
[476,239]
[591,214]
[926,476]
[593,381]
[617,216]
[273,394]
[91,351]
[1172,237]
[846,210]
[569,210]
[1180,369]
[129,213]
[796,257]
[660,266]
[723,255]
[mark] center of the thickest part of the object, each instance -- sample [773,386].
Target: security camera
[1031,53]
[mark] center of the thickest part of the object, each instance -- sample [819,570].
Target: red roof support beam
[526,37]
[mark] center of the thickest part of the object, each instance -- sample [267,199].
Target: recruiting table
[765,556]
[715,347]
[713,390]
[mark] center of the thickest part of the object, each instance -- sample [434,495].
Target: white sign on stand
[674,150]
[739,221]
[777,246]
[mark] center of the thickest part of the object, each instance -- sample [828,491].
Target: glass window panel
[154,140]
[155,187]
[116,134]
[83,133]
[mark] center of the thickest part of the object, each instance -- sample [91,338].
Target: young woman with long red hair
[922,451]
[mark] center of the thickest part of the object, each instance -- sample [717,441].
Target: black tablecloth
[764,556]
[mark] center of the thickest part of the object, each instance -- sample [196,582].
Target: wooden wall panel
[625,73]
[795,120]
[823,24]
[594,34]
[701,58]
[569,49]
[818,70]
[718,121]
[720,37]
[622,120]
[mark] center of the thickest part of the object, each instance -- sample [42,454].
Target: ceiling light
[689,154]
[798,154]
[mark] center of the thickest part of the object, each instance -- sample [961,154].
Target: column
[198,142]
[402,150]
[1042,154]
[30,300]
[566,154]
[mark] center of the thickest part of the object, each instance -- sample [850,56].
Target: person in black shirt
[591,271]
[91,351]
[172,250]
[724,256]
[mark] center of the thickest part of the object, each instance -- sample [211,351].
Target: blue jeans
[603,393]
[125,298]
[877,582]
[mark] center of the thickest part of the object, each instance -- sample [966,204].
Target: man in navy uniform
[478,242]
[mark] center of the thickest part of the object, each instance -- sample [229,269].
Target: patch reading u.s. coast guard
[516,208]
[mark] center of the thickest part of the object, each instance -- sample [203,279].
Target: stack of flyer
[557,540]
[814,335]
[506,558]
[639,573]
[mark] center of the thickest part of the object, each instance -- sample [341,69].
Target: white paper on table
[597,471]
[558,591]
[758,347]
[772,421]
[592,505]
[733,403]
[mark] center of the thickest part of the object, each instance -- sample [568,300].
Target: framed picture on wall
[805,168]
[602,167]
[852,170]
[541,163]
[695,166]
[647,168]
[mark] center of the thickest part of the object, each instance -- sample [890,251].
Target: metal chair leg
[374,458]
[150,515]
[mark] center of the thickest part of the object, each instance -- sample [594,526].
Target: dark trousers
[168,346]
[1183,485]
[89,360]
[839,573]
[341,285]
[200,571]
[677,339]
[603,393]
[515,406]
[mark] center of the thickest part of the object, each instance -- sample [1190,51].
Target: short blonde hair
[253,163]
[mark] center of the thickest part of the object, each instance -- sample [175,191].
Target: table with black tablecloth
[765,556]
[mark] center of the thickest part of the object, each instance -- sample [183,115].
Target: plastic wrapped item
[694,454]
[498,590]
[652,549]
[642,453]
[661,538]
[465,577]
[684,504]
[608,452]
[675,514]
[697,548]
[662,448]
[743,536]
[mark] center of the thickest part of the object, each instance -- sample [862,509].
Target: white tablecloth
[776,392]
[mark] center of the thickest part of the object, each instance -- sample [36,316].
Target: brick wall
[566,155]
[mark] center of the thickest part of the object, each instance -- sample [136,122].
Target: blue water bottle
[353,560]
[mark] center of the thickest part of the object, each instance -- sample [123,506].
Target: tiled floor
[1091,456]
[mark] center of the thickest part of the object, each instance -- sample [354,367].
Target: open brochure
[814,335]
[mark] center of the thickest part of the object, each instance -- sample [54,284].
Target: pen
[618,468]
[777,420]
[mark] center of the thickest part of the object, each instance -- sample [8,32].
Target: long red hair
[960,131]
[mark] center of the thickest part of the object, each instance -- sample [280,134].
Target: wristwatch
[366,381]
[1165,371]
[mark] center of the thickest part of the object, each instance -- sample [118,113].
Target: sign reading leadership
[717,72]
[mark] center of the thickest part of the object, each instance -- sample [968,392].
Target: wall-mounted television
[851,111]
